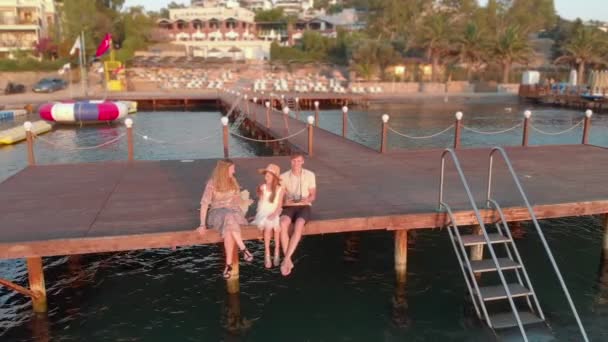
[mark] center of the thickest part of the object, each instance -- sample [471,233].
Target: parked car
[48,85]
[14,88]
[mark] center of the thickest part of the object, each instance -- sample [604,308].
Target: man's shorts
[297,211]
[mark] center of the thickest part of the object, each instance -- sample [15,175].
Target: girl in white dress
[270,200]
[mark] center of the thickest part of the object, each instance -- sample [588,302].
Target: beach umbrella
[573,77]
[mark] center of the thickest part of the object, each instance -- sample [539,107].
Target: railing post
[268,114]
[383,145]
[317,113]
[35,274]
[344,121]
[224,121]
[457,128]
[297,108]
[311,121]
[255,111]
[285,122]
[587,127]
[30,143]
[246,104]
[527,115]
[129,125]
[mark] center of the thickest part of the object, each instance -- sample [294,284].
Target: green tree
[585,45]
[532,15]
[436,38]
[471,47]
[510,46]
[273,15]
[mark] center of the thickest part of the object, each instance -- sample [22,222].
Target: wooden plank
[109,243]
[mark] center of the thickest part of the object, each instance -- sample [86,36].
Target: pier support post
[477,250]
[255,116]
[344,121]
[232,283]
[605,240]
[268,114]
[297,108]
[524,140]
[457,128]
[225,135]
[30,143]
[587,127]
[36,279]
[383,142]
[317,113]
[401,255]
[129,124]
[311,121]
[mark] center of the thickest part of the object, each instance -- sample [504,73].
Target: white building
[23,23]
[294,7]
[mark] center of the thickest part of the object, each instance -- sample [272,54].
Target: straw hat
[273,169]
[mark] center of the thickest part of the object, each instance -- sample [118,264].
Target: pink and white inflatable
[83,111]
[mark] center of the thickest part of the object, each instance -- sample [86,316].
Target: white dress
[266,208]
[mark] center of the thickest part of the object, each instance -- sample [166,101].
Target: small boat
[84,111]
[16,134]
[9,114]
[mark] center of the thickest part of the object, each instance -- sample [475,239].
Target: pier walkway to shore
[48,210]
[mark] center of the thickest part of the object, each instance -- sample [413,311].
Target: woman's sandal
[247,256]
[227,272]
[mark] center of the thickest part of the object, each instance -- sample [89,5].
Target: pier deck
[69,209]
[87,208]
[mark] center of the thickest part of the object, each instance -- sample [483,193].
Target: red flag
[104,46]
[119,70]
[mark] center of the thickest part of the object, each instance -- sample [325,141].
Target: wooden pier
[70,209]
[569,97]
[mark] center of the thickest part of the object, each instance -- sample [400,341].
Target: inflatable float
[16,134]
[84,111]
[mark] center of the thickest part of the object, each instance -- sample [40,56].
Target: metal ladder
[515,286]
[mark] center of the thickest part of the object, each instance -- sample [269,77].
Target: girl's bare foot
[267,261]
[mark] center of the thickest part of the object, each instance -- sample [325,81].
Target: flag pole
[80,63]
[84,62]
[70,77]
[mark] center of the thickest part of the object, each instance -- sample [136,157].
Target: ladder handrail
[538,230]
[483,230]
[518,257]
[468,263]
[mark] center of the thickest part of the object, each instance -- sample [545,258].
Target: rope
[492,132]
[271,140]
[557,133]
[186,142]
[77,148]
[357,132]
[421,137]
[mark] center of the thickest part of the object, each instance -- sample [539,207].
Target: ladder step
[474,239]
[487,265]
[507,319]
[497,292]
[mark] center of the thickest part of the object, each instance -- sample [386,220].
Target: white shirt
[298,187]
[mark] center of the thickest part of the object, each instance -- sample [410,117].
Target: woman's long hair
[222,181]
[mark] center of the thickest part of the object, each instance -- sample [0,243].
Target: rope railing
[423,136]
[269,140]
[357,132]
[557,133]
[184,142]
[467,128]
[71,149]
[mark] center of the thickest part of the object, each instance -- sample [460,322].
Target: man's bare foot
[286,267]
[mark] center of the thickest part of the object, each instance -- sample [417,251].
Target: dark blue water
[342,288]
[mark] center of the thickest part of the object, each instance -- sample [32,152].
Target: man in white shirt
[300,191]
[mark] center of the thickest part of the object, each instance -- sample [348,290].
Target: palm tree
[471,47]
[436,38]
[510,46]
[584,46]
